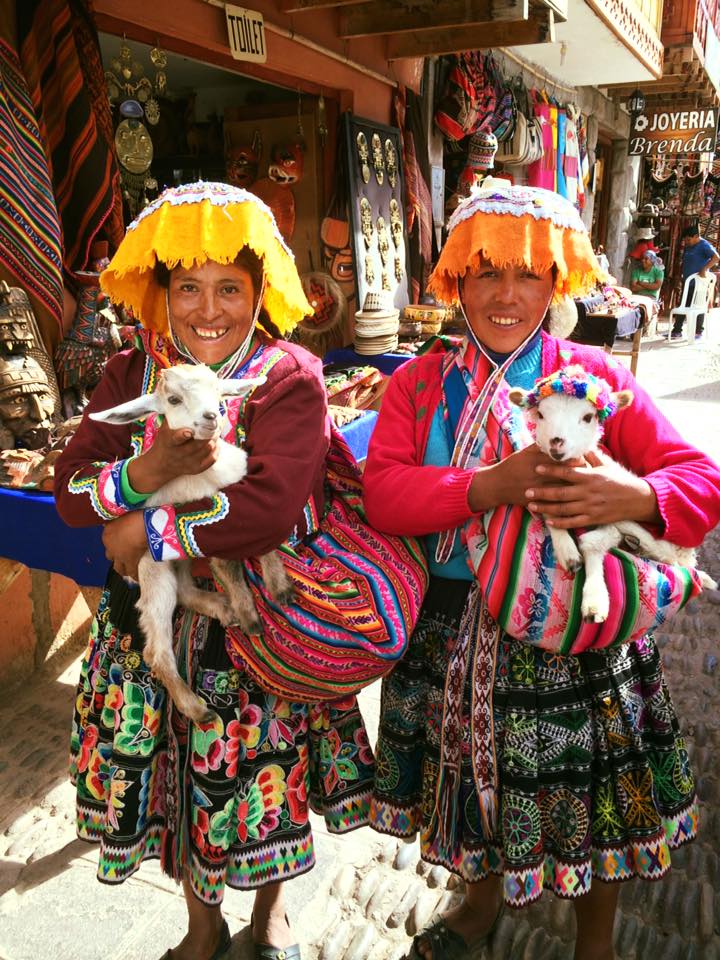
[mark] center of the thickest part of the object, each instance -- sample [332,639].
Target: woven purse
[357,598]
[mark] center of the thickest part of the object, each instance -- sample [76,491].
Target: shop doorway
[602,189]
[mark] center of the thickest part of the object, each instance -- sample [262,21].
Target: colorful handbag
[528,594]
[358,594]
[469,99]
[538,602]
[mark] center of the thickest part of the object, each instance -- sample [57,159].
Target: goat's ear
[518,396]
[238,388]
[127,412]
[623,398]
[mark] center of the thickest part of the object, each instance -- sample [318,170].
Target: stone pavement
[368,894]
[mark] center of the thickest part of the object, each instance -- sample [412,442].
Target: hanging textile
[418,201]
[571,167]
[543,173]
[61,61]
[562,187]
[30,240]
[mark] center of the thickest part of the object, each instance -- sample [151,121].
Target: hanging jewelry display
[383,241]
[378,158]
[126,81]
[391,162]
[399,273]
[385,280]
[363,156]
[369,270]
[395,222]
[135,152]
[366,222]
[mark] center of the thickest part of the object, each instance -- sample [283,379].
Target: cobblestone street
[368,894]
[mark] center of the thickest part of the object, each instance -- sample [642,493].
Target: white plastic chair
[702,300]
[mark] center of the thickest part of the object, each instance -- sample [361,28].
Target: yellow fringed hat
[517,226]
[194,223]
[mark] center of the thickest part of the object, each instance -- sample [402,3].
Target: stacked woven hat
[426,317]
[376,325]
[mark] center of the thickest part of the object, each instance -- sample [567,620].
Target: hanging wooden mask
[287,163]
[242,161]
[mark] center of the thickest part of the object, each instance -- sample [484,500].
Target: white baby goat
[189,397]
[566,428]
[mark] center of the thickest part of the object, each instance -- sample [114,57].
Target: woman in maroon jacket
[210,279]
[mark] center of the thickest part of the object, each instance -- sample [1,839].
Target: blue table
[384,362]
[34,534]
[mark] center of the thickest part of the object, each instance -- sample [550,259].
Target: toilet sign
[246,34]
[660,133]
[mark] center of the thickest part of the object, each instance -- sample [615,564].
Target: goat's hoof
[707,581]
[250,627]
[575,565]
[593,617]
[285,597]
[206,717]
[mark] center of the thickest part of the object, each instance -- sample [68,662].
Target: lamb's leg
[211,604]
[566,552]
[231,575]
[594,544]
[156,605]
[663,550]
[279,585]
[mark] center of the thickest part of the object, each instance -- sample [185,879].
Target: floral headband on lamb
[191,224]
[517,226]
[575,381]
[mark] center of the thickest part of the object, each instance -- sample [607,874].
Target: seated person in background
[647,278]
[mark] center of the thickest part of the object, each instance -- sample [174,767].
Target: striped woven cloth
[30,238]
[61,60]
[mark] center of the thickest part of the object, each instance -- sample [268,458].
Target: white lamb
[190,397]
[565,428]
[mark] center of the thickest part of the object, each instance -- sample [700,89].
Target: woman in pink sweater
[589,776]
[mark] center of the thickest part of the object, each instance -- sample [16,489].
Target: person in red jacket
[523,769]
[210,279]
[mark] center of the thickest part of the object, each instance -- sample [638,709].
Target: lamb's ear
[238,388]
[127,412]
[623,398]
[518,396]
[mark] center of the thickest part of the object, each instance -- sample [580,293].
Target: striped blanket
[30,238]
[61,60]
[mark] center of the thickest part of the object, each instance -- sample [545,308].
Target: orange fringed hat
[517,226]
[194,223]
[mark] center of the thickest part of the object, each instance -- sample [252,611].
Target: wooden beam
[377,18]
[516,33]
[665,85]
[299,6]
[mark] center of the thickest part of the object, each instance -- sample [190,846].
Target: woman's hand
[600,492]
[173,454]
[125,543]
[508,481]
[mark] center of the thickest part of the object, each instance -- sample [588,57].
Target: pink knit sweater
[404,497]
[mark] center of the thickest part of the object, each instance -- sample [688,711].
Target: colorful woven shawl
[30,240]
[61,61]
